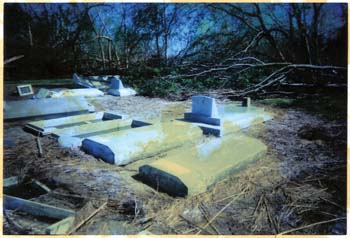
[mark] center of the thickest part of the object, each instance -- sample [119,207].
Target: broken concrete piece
[117,88]
[123,147]
[204,110]
[100,82]
[86,92]
[192,170]
[46,107]
[43,93]
[69,141]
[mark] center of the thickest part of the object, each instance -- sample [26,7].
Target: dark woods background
[170,49]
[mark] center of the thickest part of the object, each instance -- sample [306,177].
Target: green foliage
[330,105]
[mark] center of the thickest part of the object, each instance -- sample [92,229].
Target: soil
[301,181]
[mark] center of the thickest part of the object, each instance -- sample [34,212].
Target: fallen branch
[40,150]
[13,59]
[77,223]
[311,225]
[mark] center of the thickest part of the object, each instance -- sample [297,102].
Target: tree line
[166,49]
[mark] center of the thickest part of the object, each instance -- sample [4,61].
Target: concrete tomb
[58,125]
[46,107]
[73,136]
[125,146]
[117,88]
[223,119]
[193,170]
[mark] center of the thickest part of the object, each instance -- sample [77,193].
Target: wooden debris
[13,59]
[40,185]
[11,181]
[35,208]
[40,154]
[72,223]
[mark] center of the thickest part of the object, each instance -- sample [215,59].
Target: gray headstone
[116,83]
[204,106]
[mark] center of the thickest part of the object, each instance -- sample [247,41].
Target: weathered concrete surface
[43,93]
[123,147]
[85,92]
[71,137]
[69,141]
[204,110]
[46,126]
[46,107]
[117,88]
[192,170]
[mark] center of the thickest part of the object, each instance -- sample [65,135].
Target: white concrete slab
[48,126]
[126,146]
[45,107]
[189,171]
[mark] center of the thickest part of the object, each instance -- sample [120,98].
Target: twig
[67,195]
[272,221]
[87,218]
[222,209]
[39,147]
[13,59]
[204,212]
[311,225]
[194,224]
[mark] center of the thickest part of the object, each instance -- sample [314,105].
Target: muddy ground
[298,188]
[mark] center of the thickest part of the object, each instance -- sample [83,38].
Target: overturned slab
[45,127]
[101,82]
[192,170]
[123,147]
[85,92]
[46,107]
